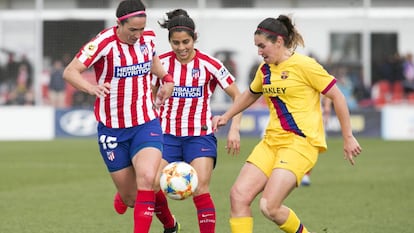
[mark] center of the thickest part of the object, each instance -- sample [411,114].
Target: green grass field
[62,186]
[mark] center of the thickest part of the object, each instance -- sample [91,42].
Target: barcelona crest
[284,75]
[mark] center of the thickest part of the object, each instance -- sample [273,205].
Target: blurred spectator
[346,86]
[57,85]
[361,92]
[392,69]
[22,94]
[10,71]
[16,78]
[226,57]
[408,69]
[29,66]
[3,86]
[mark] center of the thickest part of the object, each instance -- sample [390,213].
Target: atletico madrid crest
[195,73]
[110,155]
[144,49]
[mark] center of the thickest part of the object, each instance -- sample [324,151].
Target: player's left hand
[351,149]
[163,94]
[233,142]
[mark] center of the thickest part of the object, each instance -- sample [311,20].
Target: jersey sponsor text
[274,90]
[133,70]
[187,92]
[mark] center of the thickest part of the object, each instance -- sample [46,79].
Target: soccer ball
[178,180]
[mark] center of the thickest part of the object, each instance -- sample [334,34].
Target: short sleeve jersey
[188,112]
[127,69]
[292,91]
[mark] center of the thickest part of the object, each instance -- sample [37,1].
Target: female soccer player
[129,132]
[291,84]
[186,115]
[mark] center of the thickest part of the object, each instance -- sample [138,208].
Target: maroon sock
[206,213]
[143,210]
[162,211]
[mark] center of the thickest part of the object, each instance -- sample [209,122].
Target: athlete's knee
[146,179]
[268,210]
[145,182]
[239,196]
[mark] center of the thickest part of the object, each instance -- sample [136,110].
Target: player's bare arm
[73,75]
[233,137]
[168,83]
[351,146]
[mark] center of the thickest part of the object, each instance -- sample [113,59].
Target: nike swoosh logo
[206,215]
[154,134]
[205,149]
[281,161]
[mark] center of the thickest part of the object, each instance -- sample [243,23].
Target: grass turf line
[63,186]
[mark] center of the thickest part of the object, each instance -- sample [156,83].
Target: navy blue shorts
[189,147]
[118,146]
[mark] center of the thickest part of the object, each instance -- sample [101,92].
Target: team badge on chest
[284,75]
[144,49]
[195,73]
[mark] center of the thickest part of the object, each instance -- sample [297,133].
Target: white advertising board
[27,123]
[398,122]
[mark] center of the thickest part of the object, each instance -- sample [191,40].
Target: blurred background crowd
[391,67]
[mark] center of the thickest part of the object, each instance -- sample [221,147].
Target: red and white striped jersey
[127,68]
[188,112]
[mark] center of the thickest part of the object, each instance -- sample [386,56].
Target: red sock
[143,210]
[119,205]
[206,213]
[162,211]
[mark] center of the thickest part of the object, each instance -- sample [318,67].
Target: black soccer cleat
[175,229]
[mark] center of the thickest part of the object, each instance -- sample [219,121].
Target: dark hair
[282,26]
[178,20]
[129,6]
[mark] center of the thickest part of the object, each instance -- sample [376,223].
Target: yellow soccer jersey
[292,91]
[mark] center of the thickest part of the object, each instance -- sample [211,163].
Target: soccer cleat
[119,205]
[175,229]
[306,180]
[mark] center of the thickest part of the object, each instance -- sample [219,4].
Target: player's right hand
[218,121]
